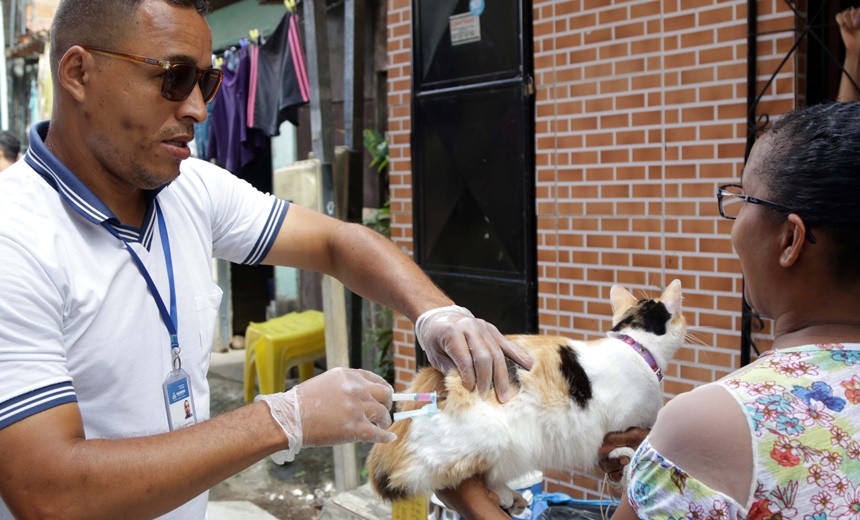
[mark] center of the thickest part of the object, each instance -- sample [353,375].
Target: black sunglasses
[730,199]
[179,78]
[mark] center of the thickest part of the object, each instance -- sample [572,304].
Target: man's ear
[74,71]
[793,240]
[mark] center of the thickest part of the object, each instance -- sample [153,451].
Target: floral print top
[803,408]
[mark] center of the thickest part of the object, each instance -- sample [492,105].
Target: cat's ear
[620,299]
[671,297]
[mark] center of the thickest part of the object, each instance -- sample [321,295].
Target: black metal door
[473,156]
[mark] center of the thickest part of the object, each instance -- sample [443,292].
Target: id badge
[178,400]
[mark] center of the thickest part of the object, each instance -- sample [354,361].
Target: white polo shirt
[77,320]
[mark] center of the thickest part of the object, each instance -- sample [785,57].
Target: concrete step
[236,510]
[358,504]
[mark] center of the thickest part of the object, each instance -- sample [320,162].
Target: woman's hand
[614,467]
[473,500]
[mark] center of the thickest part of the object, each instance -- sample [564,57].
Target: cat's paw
[520,504]
[617,453]
[506,495]
[510,500]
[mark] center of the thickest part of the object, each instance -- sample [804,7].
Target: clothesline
[254,38]
[264,85]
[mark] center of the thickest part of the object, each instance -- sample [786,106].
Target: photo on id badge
[179,400]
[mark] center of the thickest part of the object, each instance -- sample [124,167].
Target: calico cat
[575,393]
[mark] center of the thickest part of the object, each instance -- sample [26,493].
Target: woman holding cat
[779,437]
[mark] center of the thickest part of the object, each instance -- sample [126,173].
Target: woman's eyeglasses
[179,78]
[731,198]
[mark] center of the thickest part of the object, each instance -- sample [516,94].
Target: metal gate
[815,27]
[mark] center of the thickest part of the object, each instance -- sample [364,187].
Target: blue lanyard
[169,318]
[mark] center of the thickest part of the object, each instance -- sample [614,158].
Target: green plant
[377,145]
[380,339]
[381,220]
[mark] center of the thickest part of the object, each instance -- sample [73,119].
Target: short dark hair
[99,23]
[813,167]
[10,145]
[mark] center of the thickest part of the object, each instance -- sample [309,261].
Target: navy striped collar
[77,195]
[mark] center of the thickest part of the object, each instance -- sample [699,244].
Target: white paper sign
[465,28]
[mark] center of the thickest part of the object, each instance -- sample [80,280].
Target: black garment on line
[282,81]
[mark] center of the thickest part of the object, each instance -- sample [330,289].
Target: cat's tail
[389,464]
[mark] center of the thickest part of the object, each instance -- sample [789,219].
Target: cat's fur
[576,393]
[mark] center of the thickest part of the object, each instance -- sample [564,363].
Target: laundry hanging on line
[232,143]
[263,86]
[281,79]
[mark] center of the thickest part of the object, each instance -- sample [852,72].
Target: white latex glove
[339,406]
[452,337]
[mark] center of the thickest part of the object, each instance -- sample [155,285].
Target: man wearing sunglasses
[107,230]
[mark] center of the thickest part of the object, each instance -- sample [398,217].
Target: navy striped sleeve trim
[269,234]
[31,403]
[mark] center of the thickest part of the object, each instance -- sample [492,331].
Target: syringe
[428,410]
[420,396]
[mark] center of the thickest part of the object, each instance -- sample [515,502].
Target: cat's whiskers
[703,346]
[657,279]
[690,337]
[645,295]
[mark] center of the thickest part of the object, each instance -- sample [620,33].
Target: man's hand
[614,467]
[372,266]
[453,337]
[338,406]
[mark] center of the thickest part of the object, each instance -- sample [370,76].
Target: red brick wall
[400,163]
[640,114]
[40,13]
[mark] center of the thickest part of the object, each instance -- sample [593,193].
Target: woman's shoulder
[697,411]
[706,433]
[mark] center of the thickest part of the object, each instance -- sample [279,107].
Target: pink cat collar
[642,351]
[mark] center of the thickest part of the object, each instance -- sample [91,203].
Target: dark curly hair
[10,146]
[813,167]
[99,23]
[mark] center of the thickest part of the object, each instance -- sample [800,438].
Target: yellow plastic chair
[273,347]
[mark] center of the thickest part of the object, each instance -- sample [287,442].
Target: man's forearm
[363,260]
[144,477]
[372,266]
